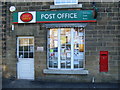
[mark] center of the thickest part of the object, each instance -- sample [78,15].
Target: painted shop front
[51,45]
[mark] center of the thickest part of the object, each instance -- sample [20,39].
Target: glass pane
[26,40]
[81,64]
[50,64]
[20,54]
[53,38]
[31,48]
[63,64]
[31,41]
[76,66]
[26,55]
[55,64]
[20,48]
[68,64]
[63,40]
[25,48]
[53,48]
[30,55]
[76,63]
[65,49]
[78,47]
[21,41]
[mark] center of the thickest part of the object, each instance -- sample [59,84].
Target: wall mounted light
[12,8]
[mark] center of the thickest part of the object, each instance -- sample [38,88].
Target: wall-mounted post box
[103,61]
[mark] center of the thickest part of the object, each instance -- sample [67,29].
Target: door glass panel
[31,41]
[30,55]
[26,47]
[20,48]
[21,55]
[26,55]
[21,41]
[31,48]
[26,41]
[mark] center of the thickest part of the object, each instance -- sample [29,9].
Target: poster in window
[68,55]
[81,47]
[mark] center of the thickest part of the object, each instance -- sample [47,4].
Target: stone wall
[103,36]
[99,36]
[0,45]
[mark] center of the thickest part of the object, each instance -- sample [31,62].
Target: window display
[66,48]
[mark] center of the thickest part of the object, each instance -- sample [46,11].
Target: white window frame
[66,2]
[72,52]
[18,46]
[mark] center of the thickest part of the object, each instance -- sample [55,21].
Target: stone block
[89,39]
[110,14]
[103,21]
[45,7]
[100,27]
[115,22]
[113,63]
[89,48]
[91,32]
[94,44]
[90,28]
[115,9]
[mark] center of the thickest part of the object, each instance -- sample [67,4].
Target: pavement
[14,83]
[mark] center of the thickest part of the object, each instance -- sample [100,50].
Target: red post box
[103,61]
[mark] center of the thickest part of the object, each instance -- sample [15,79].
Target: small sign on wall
[41,49]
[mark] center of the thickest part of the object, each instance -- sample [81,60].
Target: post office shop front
[65,47]
[53,45]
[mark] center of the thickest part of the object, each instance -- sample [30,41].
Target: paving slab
[13,83]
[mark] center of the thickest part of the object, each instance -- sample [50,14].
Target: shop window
[66,48]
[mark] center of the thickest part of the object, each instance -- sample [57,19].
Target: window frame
[18,39]
[72,61]
[67,3]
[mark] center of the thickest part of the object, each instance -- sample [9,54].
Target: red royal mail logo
[26,17]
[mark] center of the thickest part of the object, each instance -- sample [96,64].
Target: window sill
[55,71]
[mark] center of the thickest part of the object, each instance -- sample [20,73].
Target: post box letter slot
[104,55]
